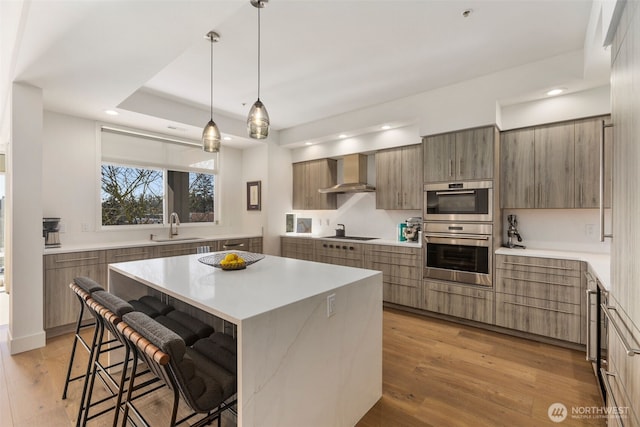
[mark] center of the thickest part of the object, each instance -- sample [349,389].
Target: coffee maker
[512,232]
[412,230]
[51,232]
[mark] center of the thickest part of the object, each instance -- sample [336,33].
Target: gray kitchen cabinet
[255,245]
[542,296]
[113,256]
[466,302]
[398,178]
[310,176]
[61,306]
[554,166]
[297,247]
[340,253]
[401,269]
[459,156]
[517,169]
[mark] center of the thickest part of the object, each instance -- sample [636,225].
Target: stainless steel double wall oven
[458,232]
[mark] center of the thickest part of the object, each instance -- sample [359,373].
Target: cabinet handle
[607,309]
[539,281]
[456,294]
[605,380]
[127,255]
[601,204]
[539,308]
[460,166]
[398,199]
[450,166]
[535,265]
[588,343]
[404,198]
[60,261]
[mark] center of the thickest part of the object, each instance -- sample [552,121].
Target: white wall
[24,220]
[71,190]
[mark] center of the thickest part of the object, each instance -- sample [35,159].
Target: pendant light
[211,133]
[258,120]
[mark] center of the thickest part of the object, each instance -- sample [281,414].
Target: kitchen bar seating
[204,385]
[87,286]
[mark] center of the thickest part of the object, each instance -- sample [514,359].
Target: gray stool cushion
[203,384]
[185,333]
[116,305]
[156,304]
[220,350]
[143,308]
[201,329]
[87,284]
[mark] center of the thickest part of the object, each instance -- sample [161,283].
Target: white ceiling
[319,57]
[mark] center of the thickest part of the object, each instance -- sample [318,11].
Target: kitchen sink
[351,238]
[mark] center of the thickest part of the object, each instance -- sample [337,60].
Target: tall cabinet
[623,370]
[310,176]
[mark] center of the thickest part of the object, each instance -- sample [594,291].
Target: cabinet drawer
[559,267]
[129,254]
[538,316]
[459,301]
[399,294]
[344,250]
[74,259]
[403,256]
[397,272]
[537,285]
[176,249]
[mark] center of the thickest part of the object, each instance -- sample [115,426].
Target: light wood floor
[435,373]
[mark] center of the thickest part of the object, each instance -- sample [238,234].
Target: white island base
[297,366]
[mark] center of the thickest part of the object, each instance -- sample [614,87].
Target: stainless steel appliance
[458,252]
[512,232]
[596,343]
[459,201]
[51,232]
[412,230]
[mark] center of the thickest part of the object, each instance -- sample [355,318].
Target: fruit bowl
[231,260]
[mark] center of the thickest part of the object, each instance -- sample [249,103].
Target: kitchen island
[298,364]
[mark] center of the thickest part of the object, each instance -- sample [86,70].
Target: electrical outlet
[331,305]
[590,230]
[84,227]
[63,227]
[328,221]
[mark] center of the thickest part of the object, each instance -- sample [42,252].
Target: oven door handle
[457,236]
[454,193]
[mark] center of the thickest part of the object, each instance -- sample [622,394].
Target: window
[144,178]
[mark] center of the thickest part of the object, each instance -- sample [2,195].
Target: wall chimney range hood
[354,172]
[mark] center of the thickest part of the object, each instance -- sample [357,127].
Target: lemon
[231,257]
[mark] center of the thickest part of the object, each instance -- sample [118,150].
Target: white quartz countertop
[270,283]
[97,246]
[376,241]
[600,263]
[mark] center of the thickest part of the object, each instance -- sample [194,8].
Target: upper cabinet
[459,156]
[398,178]
[310,176]
[553,166]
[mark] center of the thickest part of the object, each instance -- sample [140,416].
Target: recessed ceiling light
[342,135]
[111,112]
[227,138]
[385,127]
[308,143]
[556,91]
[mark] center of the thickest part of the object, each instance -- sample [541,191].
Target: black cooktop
[350,238]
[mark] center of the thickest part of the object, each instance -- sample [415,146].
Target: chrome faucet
[173,219]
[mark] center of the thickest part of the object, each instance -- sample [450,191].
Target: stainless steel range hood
[354,172]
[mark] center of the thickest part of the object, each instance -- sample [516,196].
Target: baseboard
[22,344]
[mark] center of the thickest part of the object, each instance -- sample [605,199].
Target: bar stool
[88,286]
[204,385]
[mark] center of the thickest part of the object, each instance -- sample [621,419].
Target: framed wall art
[254,195]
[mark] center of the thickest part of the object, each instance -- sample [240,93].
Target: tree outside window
[131,195]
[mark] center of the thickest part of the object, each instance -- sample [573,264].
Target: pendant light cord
[259,6]
[211,104]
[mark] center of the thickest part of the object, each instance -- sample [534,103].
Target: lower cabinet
[541,296]
[467,302]
[61,307]
[296,247]
[401,272]
[60,303]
